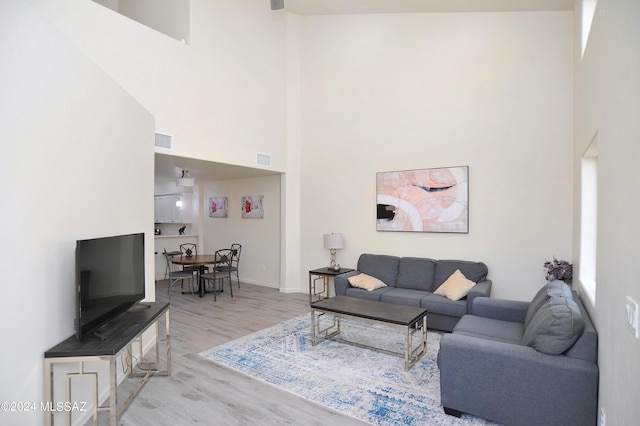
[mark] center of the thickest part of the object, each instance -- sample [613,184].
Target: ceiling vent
[164,141]
[277,4]
[263,159]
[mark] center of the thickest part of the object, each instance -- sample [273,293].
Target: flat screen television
[109,279]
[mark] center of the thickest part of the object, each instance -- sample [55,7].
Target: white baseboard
[260,283]
[304,289]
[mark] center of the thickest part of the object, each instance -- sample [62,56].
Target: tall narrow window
[588,10]
[589,219]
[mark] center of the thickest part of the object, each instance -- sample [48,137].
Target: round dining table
[200,260]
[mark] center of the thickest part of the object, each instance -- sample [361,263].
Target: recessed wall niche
[170,17]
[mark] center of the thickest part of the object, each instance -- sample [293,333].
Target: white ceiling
[324,7]
[169,168]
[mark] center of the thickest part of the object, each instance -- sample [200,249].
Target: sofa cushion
[416,273]
[366,282]
[535,304]
[474,271]
[441,305]
[402,296]
[455,287]
[554,288]
[586,347]
[381,266]
[491,329]
[365,294]
[555,327]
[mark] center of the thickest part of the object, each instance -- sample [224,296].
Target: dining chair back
[175,276]
[236,249]
[188,250]
[169,267]
[221,270]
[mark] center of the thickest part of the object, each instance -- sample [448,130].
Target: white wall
[492,91]
[607,102]
[394,87]
[291,240]
[222,97]
[260,238]
[77,162]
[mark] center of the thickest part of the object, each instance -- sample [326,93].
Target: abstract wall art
[218,207]
[252,207]
[423,200]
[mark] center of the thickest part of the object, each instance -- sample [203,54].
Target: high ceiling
[168,168]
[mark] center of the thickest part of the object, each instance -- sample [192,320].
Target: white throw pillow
[455,287]
[366,282]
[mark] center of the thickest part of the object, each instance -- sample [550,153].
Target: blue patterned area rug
[361,383]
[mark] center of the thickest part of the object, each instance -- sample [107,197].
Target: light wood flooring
[202,392]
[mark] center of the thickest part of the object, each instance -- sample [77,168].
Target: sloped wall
[222,96]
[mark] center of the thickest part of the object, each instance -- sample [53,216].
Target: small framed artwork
[218,207]
[252,207]
[423,200]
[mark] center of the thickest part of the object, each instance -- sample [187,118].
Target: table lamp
[333,242]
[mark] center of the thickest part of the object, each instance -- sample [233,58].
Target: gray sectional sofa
[523,363]
[412,281]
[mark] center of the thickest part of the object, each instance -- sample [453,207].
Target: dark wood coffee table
[409,318]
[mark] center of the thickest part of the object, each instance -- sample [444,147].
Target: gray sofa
[523,363]
[412,281]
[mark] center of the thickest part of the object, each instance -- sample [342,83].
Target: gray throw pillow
[555,327]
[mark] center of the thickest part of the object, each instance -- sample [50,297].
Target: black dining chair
[236,249]
[169,266]
[175,276]
[188,250]
[221,271]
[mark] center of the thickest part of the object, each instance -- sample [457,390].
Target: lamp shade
[333,241]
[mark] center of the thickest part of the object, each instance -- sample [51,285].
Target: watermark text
[48,406]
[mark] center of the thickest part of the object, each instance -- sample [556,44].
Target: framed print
[423,200]
[252,207]
[218,207]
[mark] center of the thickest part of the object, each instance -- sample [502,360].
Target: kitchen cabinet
[172,209]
